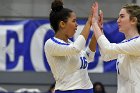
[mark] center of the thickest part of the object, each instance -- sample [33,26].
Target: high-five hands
[97,18]
[100,20]
[95,12]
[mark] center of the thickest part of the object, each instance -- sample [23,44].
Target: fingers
[97,18]
[95,8]
[100,21]
[95,12]
[101,17]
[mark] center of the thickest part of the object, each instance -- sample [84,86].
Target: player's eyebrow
[121,14]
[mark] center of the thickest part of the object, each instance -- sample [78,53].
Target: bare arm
[86,29]
[93,42]
[96,27]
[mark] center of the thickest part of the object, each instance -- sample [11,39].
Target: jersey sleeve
[107,56]
[57,48]
[108,50]
[89,55]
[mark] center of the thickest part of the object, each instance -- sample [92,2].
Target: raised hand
[95,12]
[97,21]
[100,20]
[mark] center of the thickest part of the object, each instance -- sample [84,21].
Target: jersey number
[84,63]
[117,64]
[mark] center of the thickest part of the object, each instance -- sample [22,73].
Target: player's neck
[61,36]
[131,33]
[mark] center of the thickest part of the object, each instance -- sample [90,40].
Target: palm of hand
[95,12]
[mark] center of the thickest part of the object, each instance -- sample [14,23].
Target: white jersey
[69,63]
[128,62]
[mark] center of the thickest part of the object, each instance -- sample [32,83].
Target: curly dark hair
[58,13]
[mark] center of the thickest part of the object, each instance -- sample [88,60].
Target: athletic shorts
[75,91]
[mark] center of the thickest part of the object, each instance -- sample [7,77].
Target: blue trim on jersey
[75,91]
[130,39]
[58,42]
[87,53]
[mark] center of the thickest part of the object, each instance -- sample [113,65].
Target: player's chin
[75,30]
[72,35]
[120,29]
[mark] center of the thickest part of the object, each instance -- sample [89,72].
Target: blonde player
[127,52]
[68,60]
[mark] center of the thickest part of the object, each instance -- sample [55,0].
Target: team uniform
[127,54]
[69,64]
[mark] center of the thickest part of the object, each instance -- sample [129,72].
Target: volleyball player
[68,60]
[127,52]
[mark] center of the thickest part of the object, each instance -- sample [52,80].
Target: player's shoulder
[55,42]
[133,40]
[48,43]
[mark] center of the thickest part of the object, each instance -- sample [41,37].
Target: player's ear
[134,20]
[62,24]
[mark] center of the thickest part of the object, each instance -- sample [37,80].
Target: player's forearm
[97,30]
[93,43]
[86,30]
